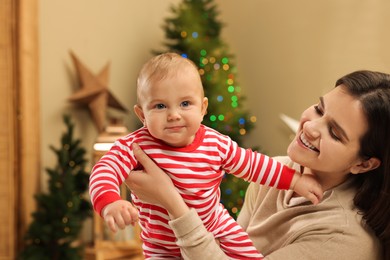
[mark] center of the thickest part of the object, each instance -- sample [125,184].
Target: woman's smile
[306,143]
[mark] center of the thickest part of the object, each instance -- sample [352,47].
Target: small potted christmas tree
[60,213]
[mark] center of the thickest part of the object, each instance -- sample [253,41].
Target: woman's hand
[154,186]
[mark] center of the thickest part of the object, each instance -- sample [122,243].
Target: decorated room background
[286,54]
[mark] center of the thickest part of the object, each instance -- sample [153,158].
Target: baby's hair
[164,66]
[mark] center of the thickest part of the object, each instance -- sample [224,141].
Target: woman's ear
[366,165]
[140,114]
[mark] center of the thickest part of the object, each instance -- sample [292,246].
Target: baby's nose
[173,114]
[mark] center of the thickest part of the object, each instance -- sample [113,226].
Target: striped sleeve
[109,173]
[256,167]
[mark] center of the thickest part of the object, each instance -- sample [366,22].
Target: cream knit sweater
[283,227]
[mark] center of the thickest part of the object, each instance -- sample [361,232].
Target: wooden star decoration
[94,93]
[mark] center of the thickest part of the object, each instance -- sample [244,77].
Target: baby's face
[173,108]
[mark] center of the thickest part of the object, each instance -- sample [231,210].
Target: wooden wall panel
[28,114]
[19,121]
[8,159]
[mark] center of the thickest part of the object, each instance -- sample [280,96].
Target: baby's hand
[307,186]
[120,213]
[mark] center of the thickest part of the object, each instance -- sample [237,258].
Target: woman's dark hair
[372,89]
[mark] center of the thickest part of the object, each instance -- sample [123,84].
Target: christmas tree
[60,213]
[194,32]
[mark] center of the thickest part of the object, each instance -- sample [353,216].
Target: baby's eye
[160,106]
[185,103]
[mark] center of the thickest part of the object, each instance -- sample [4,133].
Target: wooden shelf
[92,253]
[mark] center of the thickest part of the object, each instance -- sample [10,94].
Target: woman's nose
[312,129]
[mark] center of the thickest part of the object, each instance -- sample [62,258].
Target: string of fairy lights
[208,63]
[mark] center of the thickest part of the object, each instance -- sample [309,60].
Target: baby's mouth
[307,143]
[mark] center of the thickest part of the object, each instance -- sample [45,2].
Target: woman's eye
[333,134]
[185,103]
[318,110]
[160,106]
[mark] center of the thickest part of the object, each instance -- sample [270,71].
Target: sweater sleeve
[194,240]
[247,209]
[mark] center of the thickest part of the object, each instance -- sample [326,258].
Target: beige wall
[291,52]
[122,32]
[288,53]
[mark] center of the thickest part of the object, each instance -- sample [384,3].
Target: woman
[344,142]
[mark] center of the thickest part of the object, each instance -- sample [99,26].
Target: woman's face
[328,140]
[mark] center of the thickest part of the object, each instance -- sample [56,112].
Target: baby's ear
[366,165]
[205,104]
[140,113]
